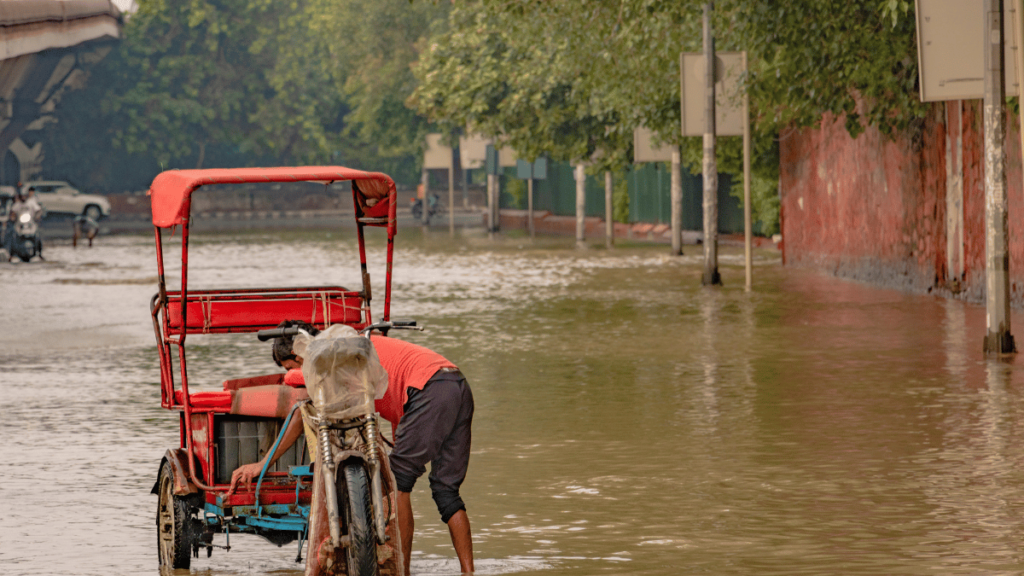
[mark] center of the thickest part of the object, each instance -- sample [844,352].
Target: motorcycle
[25,242]
[434,207]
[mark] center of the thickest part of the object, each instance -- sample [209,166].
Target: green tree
[543,73]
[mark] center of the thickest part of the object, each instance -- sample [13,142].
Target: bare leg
[405,525]
[462,540]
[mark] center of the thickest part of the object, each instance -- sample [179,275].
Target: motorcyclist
[26,203]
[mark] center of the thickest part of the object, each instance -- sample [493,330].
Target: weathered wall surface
[875,209]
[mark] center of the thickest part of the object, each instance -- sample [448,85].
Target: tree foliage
[566,77]
[247,82]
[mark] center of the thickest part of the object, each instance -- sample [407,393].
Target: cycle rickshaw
[218,433]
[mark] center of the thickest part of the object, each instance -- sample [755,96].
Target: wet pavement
[628,421]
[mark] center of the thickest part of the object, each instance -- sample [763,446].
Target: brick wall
[875,209]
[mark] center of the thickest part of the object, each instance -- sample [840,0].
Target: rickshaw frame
[176,313]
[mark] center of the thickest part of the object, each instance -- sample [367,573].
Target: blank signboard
[950,49]
[644,149]
[729,118]
[473,151]
[437,155]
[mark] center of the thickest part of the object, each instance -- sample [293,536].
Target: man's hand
[244,475]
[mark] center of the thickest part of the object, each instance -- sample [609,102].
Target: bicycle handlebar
[265,335]
[268,334]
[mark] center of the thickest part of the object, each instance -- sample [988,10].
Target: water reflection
[628,420]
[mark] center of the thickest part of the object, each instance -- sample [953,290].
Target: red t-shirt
[408,366]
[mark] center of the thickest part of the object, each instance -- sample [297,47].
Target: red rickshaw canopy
[171,190]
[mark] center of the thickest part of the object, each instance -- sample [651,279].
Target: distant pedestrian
[85,227]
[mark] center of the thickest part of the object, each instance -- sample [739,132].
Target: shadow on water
[628,421]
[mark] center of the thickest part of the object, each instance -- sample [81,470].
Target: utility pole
[609,210]
[998,339]
[747,216]
[709,165]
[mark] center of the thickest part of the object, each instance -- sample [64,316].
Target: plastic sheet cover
[342,371]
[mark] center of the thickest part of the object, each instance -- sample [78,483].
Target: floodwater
[628,421]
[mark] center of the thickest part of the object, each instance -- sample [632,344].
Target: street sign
[644,149]
[537,170]
[473,151]
[437,155]
[950,49]
[729,119]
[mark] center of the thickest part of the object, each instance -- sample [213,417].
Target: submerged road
[628,421]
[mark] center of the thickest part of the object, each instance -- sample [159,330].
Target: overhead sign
[951,49]
[537,170]
[729,66]
[644,149]
[437,155]
[473,151]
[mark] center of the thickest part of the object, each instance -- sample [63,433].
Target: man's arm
[244,474]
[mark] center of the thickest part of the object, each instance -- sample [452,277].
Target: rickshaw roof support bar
[186,400]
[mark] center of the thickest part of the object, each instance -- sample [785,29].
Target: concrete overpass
[45,47]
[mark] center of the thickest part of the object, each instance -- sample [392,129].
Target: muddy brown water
[628,421]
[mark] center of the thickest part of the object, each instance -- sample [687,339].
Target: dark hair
[283,345]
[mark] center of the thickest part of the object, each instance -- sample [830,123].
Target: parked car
[57,197]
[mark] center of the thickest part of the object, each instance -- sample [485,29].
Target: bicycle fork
[330,488]
[376,488]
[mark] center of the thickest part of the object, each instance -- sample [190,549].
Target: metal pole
[465,183]
[581,206]
[954,195]
[496,202]
[998,339]
[677,202]
[609,210]
[710,166]
[529,204]
[425,214]
[747,224]
[451,194]
[489,199]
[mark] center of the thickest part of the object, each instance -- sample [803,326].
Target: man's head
[282,352]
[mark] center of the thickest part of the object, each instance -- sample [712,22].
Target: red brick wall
[874,209]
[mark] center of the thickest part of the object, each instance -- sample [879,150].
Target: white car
[57,197]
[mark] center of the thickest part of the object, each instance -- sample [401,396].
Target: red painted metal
[178,313]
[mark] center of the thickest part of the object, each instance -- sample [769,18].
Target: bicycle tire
[357,513]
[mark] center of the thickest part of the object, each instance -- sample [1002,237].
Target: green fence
[649,196]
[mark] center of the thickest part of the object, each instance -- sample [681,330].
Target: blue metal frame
[285,517]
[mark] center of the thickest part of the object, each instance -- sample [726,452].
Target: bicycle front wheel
[357,514]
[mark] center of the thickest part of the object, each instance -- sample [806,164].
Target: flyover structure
[45,47]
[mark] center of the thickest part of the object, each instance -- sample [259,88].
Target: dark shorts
[436,429]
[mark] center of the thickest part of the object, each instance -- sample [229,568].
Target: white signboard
[644,149]
[473,151]
[437,155]
[729,118]
[950,49]
[507,157]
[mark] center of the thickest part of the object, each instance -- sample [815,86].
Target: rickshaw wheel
[172,524]
[361,554]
